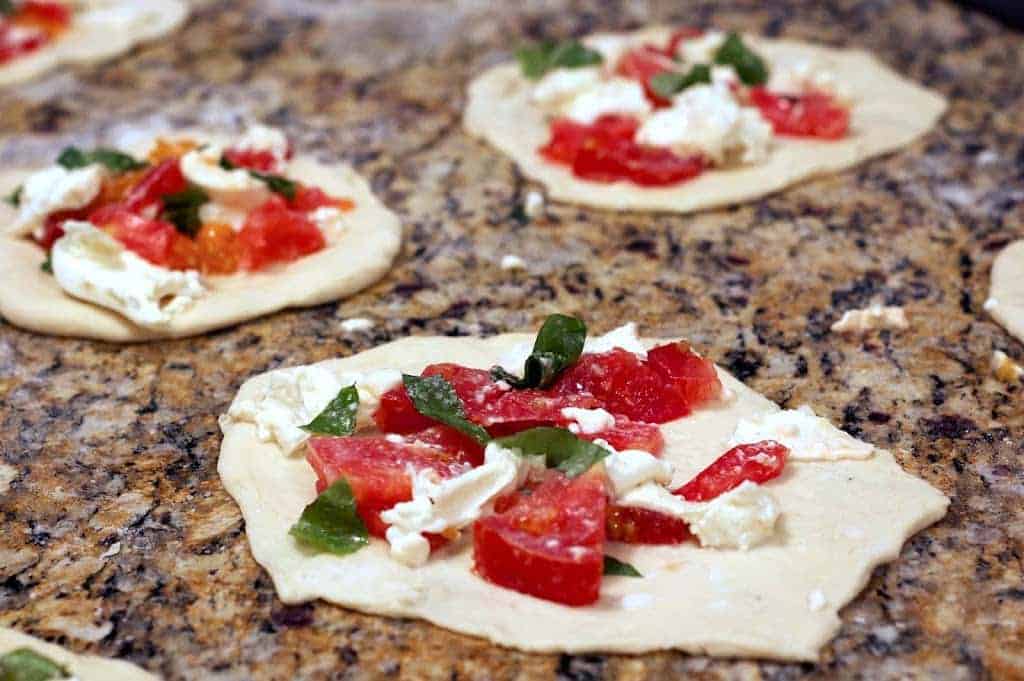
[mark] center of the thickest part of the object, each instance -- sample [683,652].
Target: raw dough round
[1006,296]
[888,112]
[779,600]
[82,667]
[100,29]
[353,260]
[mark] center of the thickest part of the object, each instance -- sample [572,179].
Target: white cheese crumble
[235,188]
[55,189]
[91,265]
[330,220]
[213,212]
[740,518]
[798,75]
[707,119]
[560,85]
[265,138]
[588,421]
[807,436]
[623,337]
[631,468]
[874,317]
[1005,369]
[356,324]
[612,96]
[534,204]
[700,50]
[513,262]
[441,506]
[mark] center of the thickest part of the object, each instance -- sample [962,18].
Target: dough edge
[84,667]
[1007,289]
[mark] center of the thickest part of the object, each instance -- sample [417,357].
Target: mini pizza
[686,119]
[190,233]
[1006,295]
[38,35]
[569,494]
[25,658]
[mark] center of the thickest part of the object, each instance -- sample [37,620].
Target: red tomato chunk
[814,114]
[640,526]
[274,233]
[758,462]
[261,160]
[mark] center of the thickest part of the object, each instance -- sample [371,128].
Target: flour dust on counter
[183,233]
[32,659]
[560,493]
[686,119]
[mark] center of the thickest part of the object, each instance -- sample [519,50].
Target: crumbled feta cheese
[816,600]
[613,96]
[700,50]
[330,220]
[589,421]
[559,85]
[741,518]
[356,324]
[807,436]
[1005,369]
[441,505]
[631,468]
[513,262]
[55,189]
[91,265]
[798,75]
[534,203]
[623,337]
[235,188]
[871,318]
[290,398]
[707,119]
[264,138]
[213,212]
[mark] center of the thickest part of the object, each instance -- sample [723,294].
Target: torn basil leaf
[47,267]
[617,568]
[435,398]
[24,664]
[73,157]
[6,7]
[275,183]
[339,416]
[331,522]
[669,83]
[14,198]
[558,346]
[536,60]
[182,209]
[560,449]
[749,66]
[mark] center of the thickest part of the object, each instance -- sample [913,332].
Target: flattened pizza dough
[82,667]
[1006,296]
[888,112]
[100,29]
[354,259]
[778,600]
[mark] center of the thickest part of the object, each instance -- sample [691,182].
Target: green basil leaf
[669,83]
[277,184]
[24,664]
[435,398]
[560,448]
[339,416]
[617,568]
[749,66]
[14,198]
[73,157]
[536,60]
[182,209]
[6,7]
[558,346]
[518,214]
[47,265]
[331,523]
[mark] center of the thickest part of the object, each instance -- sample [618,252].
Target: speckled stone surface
[118,538]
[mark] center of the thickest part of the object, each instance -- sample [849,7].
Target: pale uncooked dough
[888,112]
[100,29]
[82,667]
[357,257]
[1006,296]
[839,520]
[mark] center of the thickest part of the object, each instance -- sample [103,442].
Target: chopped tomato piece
[549,543]
[452,441]
[15,42]
[377,470]
[640,526]
[274,233]
[679,36]
[627,434]
[164,178]
[152,240]
[33,24]
[813,114]
[38,11]
[691,375]
[643,63]
[311,198]
[53,226]
[758,462]
[216,249]
[263,161]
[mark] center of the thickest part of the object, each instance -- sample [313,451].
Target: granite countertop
[118,537]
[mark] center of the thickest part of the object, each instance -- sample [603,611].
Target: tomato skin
[151,240]
[632,525]
[44,12]
[643,63]
[812,114]
[548,544]
[756,462]
[691,375]
[274,233]
[260,160]
[164,178]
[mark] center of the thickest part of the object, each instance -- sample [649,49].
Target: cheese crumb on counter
[875,317]
[533,206]
[356,324]
[1005,369]
[512,262]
